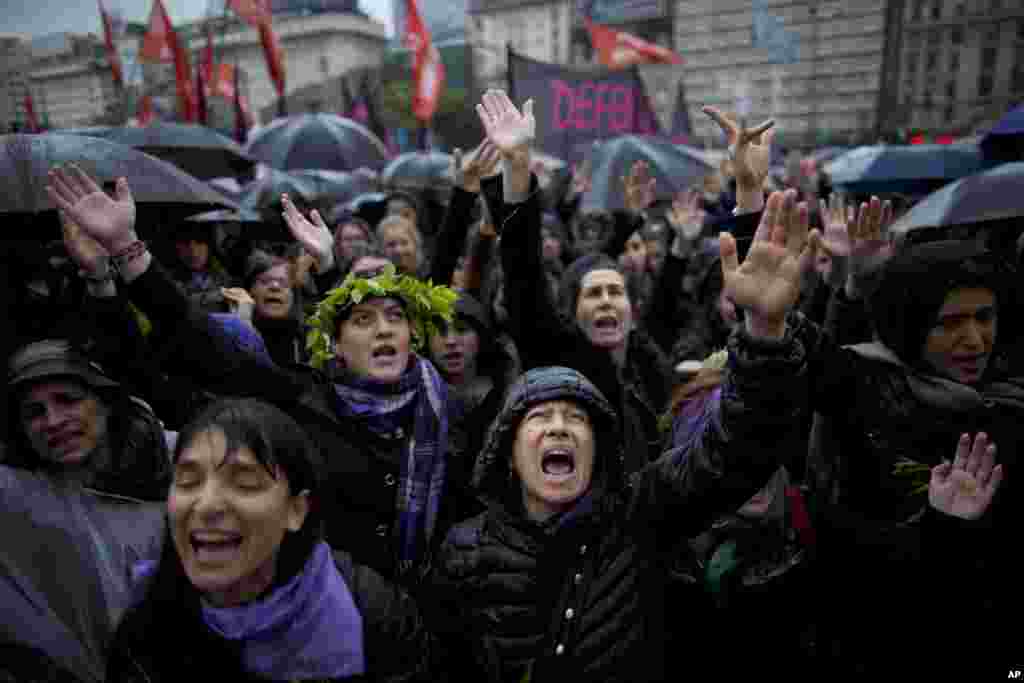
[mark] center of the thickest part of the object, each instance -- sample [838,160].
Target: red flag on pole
[618,49]
[30,114]
[241,129]
[161,44]
[201,109]
[207,57]
[256,13]
[427,69]
[146,113]
[108,41]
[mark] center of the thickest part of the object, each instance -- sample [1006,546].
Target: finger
[84,180]
[59,188]
[874,218]
[810,251]
[862,221]
[785,217]
[796,232]
[123,192]
[528,109]
[728,253]
[504,102]
[987,464]
[994,480]
[762,128]
[940,473]
[963,447]
[491,104]
[727,126]
[977,451]
[887,213]
[769,217]
[824,212]
[319,221]
[457,158]
[484,116]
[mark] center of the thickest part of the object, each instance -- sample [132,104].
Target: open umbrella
[334,187]
[989,200]
[163,193]
[198,150]
[321,141]
[675,167]
[1005,142]
[914,169]
[418,169]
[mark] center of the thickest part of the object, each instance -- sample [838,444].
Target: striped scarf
[385,407]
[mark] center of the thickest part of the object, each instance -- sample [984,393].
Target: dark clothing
[581,596]
[397,648]
[543,337]
[363,467]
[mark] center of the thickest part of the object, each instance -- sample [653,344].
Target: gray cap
[54,358]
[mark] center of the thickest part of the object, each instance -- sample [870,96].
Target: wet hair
[279,444]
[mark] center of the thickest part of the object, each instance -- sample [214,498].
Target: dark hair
[171,603]
[260,262]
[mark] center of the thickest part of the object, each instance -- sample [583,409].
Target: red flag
[146,113]
[241,129]
[30,114]
[223,81]
[201,109]
[256,13]
[427,69]
[161,44]
[274,56]
[617,49]
[207,57]
[108,41]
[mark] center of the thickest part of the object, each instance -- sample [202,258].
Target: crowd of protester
[738,431]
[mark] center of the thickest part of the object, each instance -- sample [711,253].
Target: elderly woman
[246,582]
[563,577]
[277,306]
[381,414]
[80,447]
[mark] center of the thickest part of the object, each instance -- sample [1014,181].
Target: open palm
[965,487]
[313,235]
[508,129]
[111,222]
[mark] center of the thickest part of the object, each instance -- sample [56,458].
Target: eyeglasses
[271,281]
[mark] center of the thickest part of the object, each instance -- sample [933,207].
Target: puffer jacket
[581,596]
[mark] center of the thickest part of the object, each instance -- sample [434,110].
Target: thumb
[528,109]
[123,192]
[457,158]
[727,250]
[318,219]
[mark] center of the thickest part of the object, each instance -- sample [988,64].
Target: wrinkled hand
[111,222]
[767,284]
[750,149]
[470,170]
[638,187]
[86,252]
[687,215]
[965,487]
[315,236]
[510,131]
[867,229]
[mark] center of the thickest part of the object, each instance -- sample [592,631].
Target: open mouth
[63,441]
[384,352]
[212,548]
[606,323]
[558,462]
[453,357]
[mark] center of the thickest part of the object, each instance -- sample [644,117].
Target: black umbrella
[198,150]
[164,193]
[319,141]
[333,187]
[418,169]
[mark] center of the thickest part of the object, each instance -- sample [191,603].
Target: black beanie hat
[569,288]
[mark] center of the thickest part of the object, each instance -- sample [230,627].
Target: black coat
[583,599]
[362,468]
[397,647]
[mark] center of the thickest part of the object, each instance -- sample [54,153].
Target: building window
[958,35]
[984,85]
[933,61]
[918,10]
[951,90]
[937,10]
[988,58]
[949,114]
[954,62]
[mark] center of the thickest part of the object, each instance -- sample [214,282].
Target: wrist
[764,328]
[749,199]
[121,243]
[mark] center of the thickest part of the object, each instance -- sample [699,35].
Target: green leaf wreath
[425,303]
[917,475]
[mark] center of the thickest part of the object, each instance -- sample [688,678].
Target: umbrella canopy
[311,187]
[334,187]
[198,150]
[1005,142]
[915,169]
[319,141]
[675,167]
[994,195]
[163,193]
[371,207]
[419,169]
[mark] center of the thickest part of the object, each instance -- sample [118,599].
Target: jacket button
[560,649]
[389,479]
[382,530]
[576,579]
[569,613]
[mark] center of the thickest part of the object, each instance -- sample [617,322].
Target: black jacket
[396,646]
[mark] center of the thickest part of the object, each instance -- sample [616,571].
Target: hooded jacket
[579,596]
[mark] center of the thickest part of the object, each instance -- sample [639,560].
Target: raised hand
[687,215]
[750,150]
[111,222]
[767,284]
[314,236]
[965,487]
[510,131]
[470,170]
[240,301]
[638,187]
[87,253]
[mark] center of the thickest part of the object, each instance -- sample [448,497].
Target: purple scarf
[423,392]
[308,628]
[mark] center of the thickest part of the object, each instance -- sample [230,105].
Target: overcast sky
[42,17]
